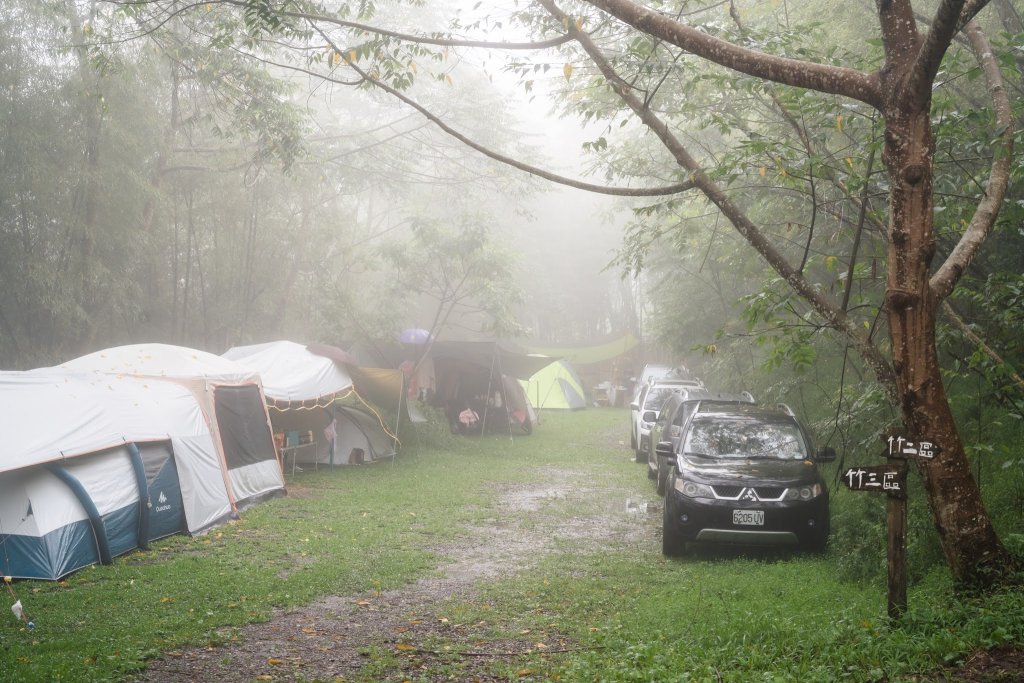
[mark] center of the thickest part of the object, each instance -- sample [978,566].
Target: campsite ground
[415,632]
[533,558]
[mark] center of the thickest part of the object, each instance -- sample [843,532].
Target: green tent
[555,386]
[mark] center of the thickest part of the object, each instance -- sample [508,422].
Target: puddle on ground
[641,507]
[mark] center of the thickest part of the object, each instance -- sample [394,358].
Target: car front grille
[725,492]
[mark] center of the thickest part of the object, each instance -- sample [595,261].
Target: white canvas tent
[304,391]
[290,373]
[95,465]
[231,399]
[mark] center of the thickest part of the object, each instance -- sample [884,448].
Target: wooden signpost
[891,479]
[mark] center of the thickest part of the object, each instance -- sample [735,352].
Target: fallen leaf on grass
[264,677]
[274,661]
[524,672]
[363,603]
[307,629]
[405,647]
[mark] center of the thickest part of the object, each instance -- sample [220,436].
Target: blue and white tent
[115,449]
[92,467]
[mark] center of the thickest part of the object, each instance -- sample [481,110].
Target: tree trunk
[969,541]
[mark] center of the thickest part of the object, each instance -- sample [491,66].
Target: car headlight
[803,492]
[694,490]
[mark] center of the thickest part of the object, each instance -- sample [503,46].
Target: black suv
[668,427]
[744,474]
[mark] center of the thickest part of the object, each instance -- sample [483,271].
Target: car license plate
[748,517]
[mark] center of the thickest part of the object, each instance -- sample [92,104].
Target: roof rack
[786,409]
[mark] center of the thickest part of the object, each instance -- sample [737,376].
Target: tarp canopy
[585,355]
[555,387]
[501,357]
[384,387]
[291,373]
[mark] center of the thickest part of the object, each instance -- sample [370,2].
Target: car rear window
[745,438]
[656,398]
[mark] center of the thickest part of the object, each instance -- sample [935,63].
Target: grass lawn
[607,610]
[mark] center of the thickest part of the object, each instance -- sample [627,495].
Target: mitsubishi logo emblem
[748,494]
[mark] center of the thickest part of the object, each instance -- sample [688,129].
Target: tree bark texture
[969,541]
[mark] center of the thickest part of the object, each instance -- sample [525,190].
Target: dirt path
[328,640]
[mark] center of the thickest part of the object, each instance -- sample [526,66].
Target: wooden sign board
[902,447]
[881,478]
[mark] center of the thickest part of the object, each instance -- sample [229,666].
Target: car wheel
[651,474]
[672,544]
[662,477]
[632,439]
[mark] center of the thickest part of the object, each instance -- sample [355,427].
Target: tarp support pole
[98,530]
[144,502]
[334,419]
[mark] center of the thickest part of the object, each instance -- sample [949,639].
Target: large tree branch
[836,318]
[823,78]
[946,277]
[943,27]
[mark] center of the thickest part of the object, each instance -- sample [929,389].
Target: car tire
[672,544]
[632,439]
[651,474]
[662,478]
[817,545]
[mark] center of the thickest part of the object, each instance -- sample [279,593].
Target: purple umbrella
[414,336]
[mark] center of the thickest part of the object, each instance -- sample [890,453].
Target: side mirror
[664,449]
[825,454]
[634,405]
[650,416]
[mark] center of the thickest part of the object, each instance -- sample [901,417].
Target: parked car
[745,474]
[668,426]
[652,395]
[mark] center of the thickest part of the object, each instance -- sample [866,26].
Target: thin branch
[376,30]
[985,348]
[860,230]
[532,170]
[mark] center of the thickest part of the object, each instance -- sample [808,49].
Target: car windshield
[656,398]
[737,438]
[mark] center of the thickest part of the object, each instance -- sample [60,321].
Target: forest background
[187,178]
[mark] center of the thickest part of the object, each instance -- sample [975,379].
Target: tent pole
[398,418]
[504,396]
[487,399]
